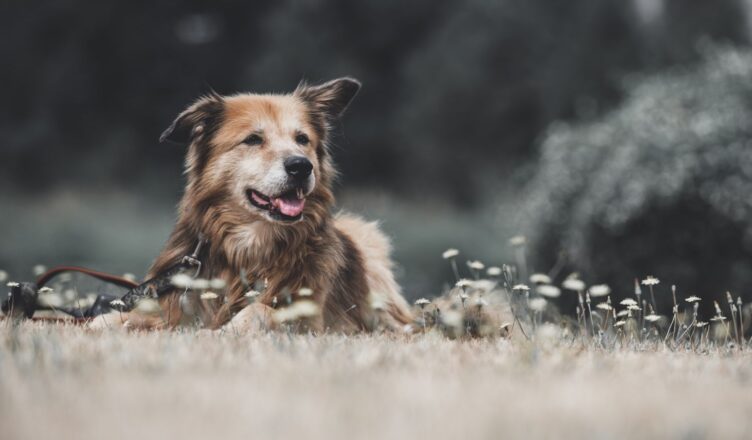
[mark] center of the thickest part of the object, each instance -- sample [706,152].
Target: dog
[259,191]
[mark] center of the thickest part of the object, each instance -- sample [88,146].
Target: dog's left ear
[331,98]
[194,120]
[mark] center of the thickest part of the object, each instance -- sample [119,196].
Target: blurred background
[613,134]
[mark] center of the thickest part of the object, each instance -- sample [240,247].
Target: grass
[492,357]
[62,381]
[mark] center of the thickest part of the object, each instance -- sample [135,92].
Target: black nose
[298,167]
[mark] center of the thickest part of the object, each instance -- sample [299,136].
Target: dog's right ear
[194,120]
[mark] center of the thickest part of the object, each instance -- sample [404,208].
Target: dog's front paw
[112,320]
[254,318]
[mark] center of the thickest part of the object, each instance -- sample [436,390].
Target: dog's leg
[130,321]
[112,320]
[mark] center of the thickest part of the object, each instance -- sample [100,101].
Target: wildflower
[12,284]
[484,285]
[650,281]
[450,253]
[129,276]
[518,240]
[701,324]
[209,295]
[3,276]
[451,318]
[622,313]
[604,306]
[217,283]
[718,318]
[548,291]
[692,299]
[46,289]
[200,284]
[296,311]
[521,287]
[573,283]
[39,269]
[619,323]
[117,303]
[463,283]
[600,290]
[493,271]
[422,302]
[540,278]
[305,291]
[475,265]
[181,281]
[538,304]
[633,308]
[252,294]
[628,302]
[148,307]
[652,317]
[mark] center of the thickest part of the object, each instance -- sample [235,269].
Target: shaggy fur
[342,259]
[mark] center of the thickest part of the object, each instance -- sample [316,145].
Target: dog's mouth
[287,207]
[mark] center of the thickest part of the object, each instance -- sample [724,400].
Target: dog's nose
[298,167]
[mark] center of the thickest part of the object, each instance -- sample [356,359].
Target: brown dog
[259,191]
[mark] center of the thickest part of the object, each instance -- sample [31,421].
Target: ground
[62,381]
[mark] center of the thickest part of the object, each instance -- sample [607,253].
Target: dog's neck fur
[242,242]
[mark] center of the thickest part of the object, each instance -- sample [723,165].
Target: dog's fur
[341,258]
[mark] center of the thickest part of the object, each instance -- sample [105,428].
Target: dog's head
[262,157]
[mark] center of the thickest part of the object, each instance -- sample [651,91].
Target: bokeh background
[613,134]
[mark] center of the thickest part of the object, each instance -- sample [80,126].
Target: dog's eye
[253,139]
[302,139]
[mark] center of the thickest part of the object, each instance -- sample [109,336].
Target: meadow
[490,358]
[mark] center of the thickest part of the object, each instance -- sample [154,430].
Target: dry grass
[67,382]
[490,358]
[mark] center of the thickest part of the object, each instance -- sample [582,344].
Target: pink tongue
[291,207]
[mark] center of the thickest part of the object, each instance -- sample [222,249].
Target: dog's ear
[196,119]
[331,98]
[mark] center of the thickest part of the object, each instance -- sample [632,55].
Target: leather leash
[22,300]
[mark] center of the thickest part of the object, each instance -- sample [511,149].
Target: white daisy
[548,291]
[209,295]
[540,278]
[599,290]
[450,253]
[538,304]
[575,284]
[650,281]
[493,271]
[422,302]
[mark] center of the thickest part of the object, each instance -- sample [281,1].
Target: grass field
[62,381]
